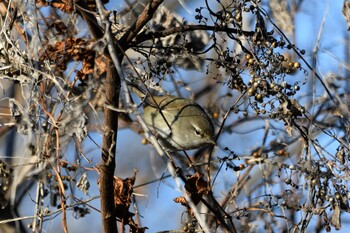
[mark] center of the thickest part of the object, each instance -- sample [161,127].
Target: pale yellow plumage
[181,124]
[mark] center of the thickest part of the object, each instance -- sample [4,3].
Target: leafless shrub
[65,69]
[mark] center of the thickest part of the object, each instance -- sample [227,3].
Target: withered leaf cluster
[123,191]
[196,187]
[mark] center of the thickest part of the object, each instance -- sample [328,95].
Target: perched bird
[180,124]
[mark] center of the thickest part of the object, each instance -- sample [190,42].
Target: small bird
[180,123]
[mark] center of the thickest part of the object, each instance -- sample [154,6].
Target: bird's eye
[198,132]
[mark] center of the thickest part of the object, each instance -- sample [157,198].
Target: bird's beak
[211,142]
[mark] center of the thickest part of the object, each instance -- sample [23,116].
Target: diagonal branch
[141,21]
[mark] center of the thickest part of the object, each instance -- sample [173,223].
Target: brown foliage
[123,190]
[196,187]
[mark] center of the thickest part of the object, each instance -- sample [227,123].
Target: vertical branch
[113,84]
[109,150]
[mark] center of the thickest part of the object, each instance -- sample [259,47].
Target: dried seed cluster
[262,67]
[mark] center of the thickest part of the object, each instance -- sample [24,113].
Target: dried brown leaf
[123,189]
[196,186]
[62,52]
[180,200]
